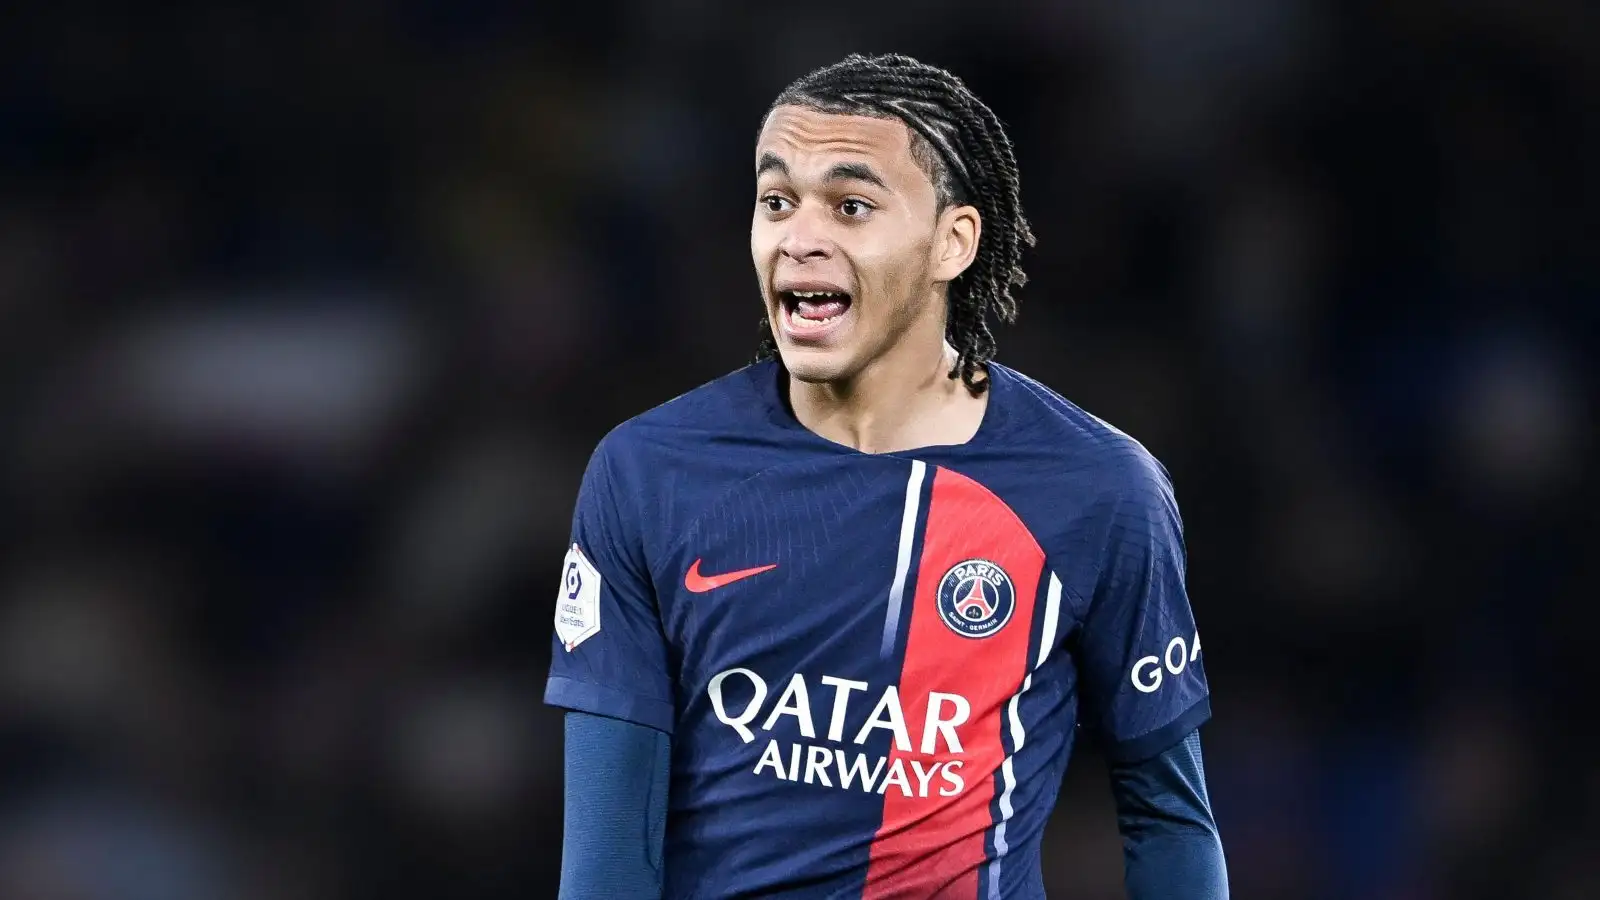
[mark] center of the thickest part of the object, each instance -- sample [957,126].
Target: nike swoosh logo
[699,584]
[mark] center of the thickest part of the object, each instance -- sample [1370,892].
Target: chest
[880,571]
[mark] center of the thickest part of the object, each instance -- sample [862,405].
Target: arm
[1145,693]
[610,670]
[616,809]
[1171,849]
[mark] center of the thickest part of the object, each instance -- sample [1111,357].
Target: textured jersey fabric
[874,666]
[616,812]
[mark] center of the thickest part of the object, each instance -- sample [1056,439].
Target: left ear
[956,242]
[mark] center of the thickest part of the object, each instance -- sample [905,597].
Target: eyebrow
[771,162]
[855,172]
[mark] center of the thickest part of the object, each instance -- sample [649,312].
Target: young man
[828,624]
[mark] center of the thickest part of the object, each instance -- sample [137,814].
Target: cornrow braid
[959,142]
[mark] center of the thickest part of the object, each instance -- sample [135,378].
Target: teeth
[810,294]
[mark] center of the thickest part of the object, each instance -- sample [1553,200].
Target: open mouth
[811,310]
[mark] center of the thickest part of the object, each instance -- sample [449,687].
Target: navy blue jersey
[872,666]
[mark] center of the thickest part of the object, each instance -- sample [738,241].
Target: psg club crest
[976,598]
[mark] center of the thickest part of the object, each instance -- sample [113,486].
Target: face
[849,246]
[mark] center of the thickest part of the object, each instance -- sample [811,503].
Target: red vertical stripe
[931,848]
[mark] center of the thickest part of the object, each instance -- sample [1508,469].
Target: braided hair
[962,147]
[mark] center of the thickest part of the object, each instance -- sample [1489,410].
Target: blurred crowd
[311,312]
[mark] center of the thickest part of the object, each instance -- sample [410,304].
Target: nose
[805,238]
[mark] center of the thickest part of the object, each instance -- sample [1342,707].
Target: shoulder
[1099,460]
[666,464]
[707,414]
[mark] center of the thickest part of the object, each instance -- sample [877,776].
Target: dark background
[310,314]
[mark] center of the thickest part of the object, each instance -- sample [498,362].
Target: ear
[955,243]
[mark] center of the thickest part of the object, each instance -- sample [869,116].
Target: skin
[841,203]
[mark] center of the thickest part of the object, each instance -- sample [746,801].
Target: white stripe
[1008,774]
[902,565]
[1052,618]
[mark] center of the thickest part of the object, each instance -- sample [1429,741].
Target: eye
[855,209]
[774,203]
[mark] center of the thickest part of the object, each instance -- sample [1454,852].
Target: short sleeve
[1144,684]
[610,655]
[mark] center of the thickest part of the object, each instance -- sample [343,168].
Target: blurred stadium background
[310,313]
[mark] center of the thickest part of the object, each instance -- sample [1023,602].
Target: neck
[901,401]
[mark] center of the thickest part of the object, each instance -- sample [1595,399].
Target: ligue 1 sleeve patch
[578,604]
